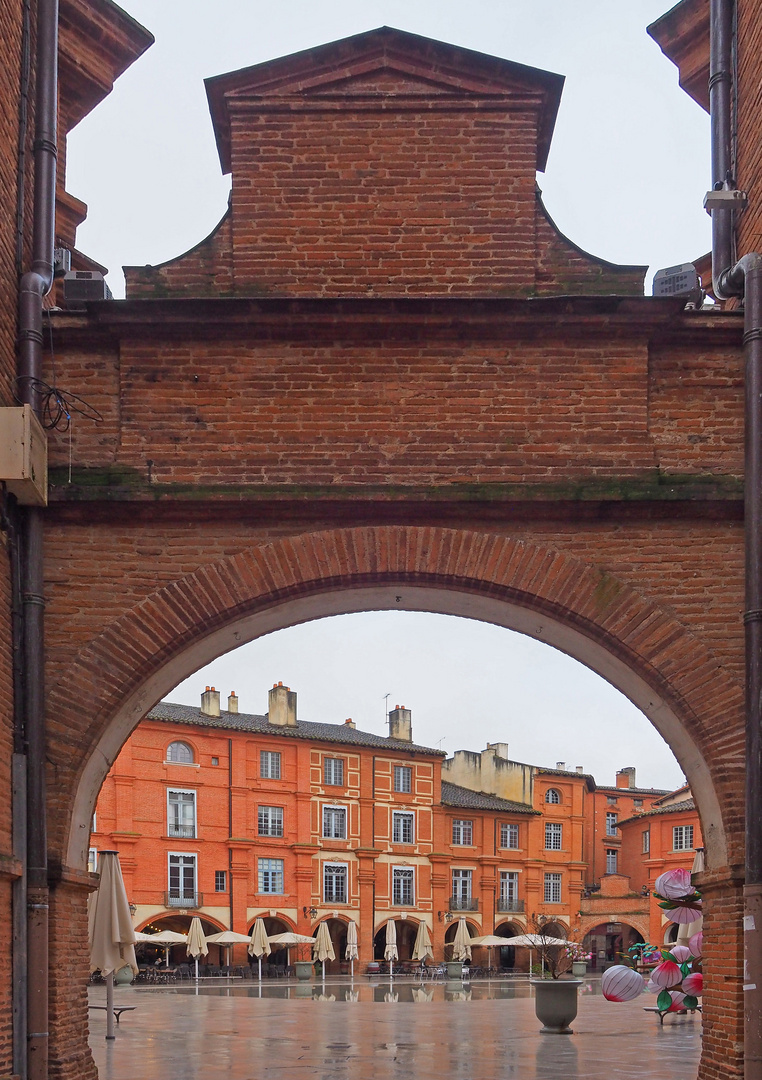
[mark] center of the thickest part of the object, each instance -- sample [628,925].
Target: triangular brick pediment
[385,63]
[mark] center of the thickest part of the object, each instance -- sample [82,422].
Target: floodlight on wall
[680,281]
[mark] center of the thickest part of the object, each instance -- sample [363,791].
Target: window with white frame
[554,832]
[335,822]
[611,860]
[462,831]
[270,875]
[181,813]
[552,795]
[220,881]
[509,886]
[461,884]
[269,764]
[182,879]
[180,753]
[270,820]
[646,841]
[403,880]
[335,883]
[92,860]
[611,824]
[333,771]
[552,894]
[509,835]
[403,778]
[403,827]
[682,838]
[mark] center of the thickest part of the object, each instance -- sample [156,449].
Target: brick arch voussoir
[643,635]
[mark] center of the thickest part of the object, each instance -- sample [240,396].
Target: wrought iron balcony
[460,903]
[509,905]
[173,899]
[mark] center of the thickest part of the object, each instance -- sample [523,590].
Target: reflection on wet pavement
[478,1031]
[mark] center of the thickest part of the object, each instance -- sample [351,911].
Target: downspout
[744,279]
[34,286]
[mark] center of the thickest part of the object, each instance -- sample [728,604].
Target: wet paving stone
[343,1031]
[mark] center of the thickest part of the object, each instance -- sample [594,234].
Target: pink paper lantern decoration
[677,1001]
[666,974]
[681,953]
[696,944]
[687,913]
[620,983]
[694,984]
[674,884]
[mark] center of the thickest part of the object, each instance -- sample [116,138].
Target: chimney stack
[625,777]
[233,702]
[210,702]
[580,768]
[281,701]
[400,724]
[561,766]
[350,723]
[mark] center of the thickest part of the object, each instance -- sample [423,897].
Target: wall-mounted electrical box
[24,455]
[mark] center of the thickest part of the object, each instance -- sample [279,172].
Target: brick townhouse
[235,816]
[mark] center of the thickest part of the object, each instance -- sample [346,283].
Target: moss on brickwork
[122,482]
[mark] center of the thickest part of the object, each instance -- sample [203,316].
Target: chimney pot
[350,723]
[561,766]
[232,702]
[400,724]
[281,706]
[210,702]
[580,768]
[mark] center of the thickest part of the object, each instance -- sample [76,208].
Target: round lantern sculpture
[620,983]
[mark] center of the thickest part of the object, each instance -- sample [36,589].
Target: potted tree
[555,1001]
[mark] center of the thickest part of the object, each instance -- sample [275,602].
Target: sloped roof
[251,722]
[434,66]
[674,808]
[587,777]
[634,790]
[454,795]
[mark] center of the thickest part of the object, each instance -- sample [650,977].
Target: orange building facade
[234,816]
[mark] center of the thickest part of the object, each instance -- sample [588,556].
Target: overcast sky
[625,179]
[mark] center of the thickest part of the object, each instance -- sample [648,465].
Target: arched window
[180,753]
[552,795]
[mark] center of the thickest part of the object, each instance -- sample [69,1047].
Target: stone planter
[555,1004]
[579,968]
[303,969]
[454,969]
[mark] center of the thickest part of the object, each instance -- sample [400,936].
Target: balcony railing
[172,899]
[186,832]
[460,903]
[509,905]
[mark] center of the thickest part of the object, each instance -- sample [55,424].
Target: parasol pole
[110,1006]
[259,962]
[196,958]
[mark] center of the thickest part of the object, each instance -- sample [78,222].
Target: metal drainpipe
[744,279]
[34,286]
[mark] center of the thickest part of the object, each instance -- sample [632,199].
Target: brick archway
[604,622]
[637,922]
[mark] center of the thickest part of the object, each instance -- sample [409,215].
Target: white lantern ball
[620,983]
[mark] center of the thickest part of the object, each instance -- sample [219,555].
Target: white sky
[628,168]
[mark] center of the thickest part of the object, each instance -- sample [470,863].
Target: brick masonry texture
[579,457]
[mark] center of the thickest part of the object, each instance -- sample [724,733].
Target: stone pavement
[338,1031]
